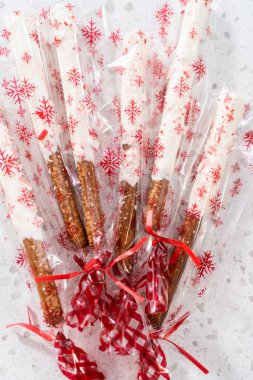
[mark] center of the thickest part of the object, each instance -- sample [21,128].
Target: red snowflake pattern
[139,81]
[6,34]
[201,191]
[26,57]
[15,91]
[237,184]
[179,129]
[156,149]
[193,211]
[216,174]
[72,124]
[28,155]
[115,37]
[164,15]
[215,203]
[88,103]
[199,68]
[182,87]
[119,69]
[157,68]
[110,162]
[20,258]
[160,98]
[56,41]
[35,36]
[45,111]
[132,111]
[4,51]
[26,198]
[8,162]
[24,134]
[91,32]
[207,266]
[69,6]
[49,145]
[27,88]
[193,33]
[170,50]
[201,292]
[74,77]
[235,167]
[138,136]
[21,111]
[116,107]
[93,134]
[248,139]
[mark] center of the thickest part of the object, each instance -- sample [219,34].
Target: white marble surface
[220,331]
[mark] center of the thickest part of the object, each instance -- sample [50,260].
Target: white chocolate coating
[24,215]
[220,142]
[180,81]
[68,60]
[132,100]
[33,72]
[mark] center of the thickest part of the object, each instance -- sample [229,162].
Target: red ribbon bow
[176,243]
[94,264]
[164,336]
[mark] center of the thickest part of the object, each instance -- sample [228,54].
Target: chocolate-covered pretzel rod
[24,217]
[43,117]
[173,127]
[220,142]
[132,98]
[73,88]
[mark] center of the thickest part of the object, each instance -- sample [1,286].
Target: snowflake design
[45,13]
[72,124]
[26,197]
[21,112]
[217,222]
[26,57]
[93,134]
[193,33]
[138,136]
[182,87]
[139,81]
[201,292]
[34,35]
[49,145]
[248,139]
[195,110]
[110,162]
[27,88]
[169,51]
[237,184]
[24,134]
[201,191]
[20,258]
[70,145]
[157,68]
[8,162]
[179,129]
[216,174]
[116,107]
[4,51]
[122,131]
[119,69]
[193,211]
[28,155]
[88,103]
[156,149]
[6,34]
[115,37]
[164,15]
[207,266]
[215,203]
[57,41]
[189,135]
[235,167]
[69,6]
[230,115]
[56,24]
[45,111]
[74,77]
[100,60]
[160,99]
[132,111]
[199,68]
[63,239]
[172,316]
[15,91]
[91,32]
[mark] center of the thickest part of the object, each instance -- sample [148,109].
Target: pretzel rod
[28,225]
[220,142]
[132,100]
[78,122]
[42,114]
[180,82]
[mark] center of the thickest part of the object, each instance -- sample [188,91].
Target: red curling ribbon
[171,330]
[176,243]
[94,264]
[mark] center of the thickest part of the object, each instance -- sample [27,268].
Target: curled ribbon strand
[176,243]
[93,264]
[171,330]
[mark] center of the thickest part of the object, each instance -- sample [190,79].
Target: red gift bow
[94,264]
[176,243]
[171,330]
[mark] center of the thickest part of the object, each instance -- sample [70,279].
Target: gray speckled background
[220,330]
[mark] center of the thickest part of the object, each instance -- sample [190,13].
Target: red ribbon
[176,243]
[160,335]
[94,264]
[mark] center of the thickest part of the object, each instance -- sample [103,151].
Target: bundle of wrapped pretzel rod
[114,153]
